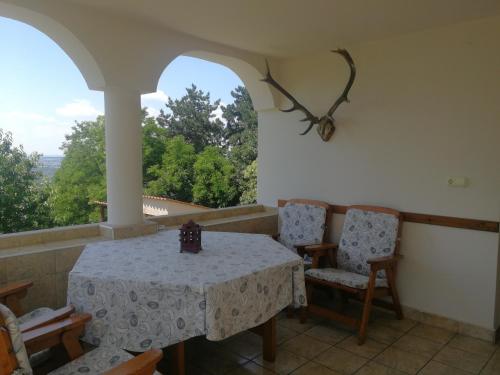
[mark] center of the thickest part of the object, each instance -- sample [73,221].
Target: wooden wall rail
[445,221]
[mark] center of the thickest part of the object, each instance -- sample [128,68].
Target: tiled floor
[321,347]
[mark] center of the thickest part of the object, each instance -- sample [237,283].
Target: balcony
[423,114]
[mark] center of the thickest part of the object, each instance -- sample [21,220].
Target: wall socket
[458,181]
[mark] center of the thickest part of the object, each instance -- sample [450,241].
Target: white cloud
[35,131]
[218,113]
[152,112]
[158,96]
[77,109]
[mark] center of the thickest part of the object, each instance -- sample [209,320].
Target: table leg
[269,340]
[175,355]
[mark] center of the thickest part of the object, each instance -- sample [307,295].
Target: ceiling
[294,27]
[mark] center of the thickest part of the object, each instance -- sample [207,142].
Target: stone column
[123,156]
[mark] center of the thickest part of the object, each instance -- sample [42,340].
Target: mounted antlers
[326,123]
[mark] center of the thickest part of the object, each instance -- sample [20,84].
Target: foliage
[213,175]
[154,138]
[174,178]
[241,128]
[81,178]
[193,117]
[249,185]
[23,192]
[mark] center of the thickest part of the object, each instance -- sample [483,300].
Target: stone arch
[260,93]
[63,37]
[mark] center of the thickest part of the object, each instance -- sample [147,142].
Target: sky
[42,92]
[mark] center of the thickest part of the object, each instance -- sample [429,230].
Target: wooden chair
[363,265]
[304,225]
[11,296]
[15,347]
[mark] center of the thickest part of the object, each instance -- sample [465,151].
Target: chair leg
[394,293]
[366,309]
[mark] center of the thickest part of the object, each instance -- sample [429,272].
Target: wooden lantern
[190,237]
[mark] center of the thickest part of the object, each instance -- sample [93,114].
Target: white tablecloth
[144,293]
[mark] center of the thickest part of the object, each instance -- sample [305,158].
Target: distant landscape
[49,165]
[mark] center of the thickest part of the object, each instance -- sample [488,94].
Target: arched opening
[209,120]
[47,112]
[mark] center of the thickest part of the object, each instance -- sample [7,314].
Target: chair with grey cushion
[363,265]
[15,347]
[304,226]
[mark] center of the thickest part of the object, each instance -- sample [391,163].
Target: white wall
[424,107]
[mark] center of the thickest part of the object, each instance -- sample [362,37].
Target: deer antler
[296,106]
[343,97]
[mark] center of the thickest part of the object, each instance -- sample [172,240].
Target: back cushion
[12,327]
[366,235]
[301,224]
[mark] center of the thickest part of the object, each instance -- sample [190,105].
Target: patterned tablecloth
[144,293]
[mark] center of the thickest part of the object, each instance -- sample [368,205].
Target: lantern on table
[190,237]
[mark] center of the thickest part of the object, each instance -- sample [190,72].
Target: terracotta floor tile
[312,368]
[251,368]
[341,360]
[401,360]
[374,368]
[439,335]
[462,360]
[382,333]
[327,334]
[295,325]
[370,349]
[472,345]
[248,346]
[305,346]
[493,365]
[285,362]
[437,368]
[284,334]
[418,345]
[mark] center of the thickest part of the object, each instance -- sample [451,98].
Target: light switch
[458,181]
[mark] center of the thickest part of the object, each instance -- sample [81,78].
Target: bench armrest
[65,331]
[142,364]
[12,293]
[48,318]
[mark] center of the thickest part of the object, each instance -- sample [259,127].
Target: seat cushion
[350,279]
[366,235]
[12,326]
[301,224]
[96,361]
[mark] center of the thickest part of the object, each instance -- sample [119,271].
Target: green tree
[214,179]
[193,117]
[175,176]
[23,192]
[154,138]
[249,185]
[241,129]
[81,178]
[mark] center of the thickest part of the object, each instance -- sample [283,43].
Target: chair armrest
[12,293]
[382,262]
[318,251]
[310,249]
[144,364]
[55,333]
[47,318]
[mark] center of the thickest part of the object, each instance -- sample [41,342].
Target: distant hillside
[50,164]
